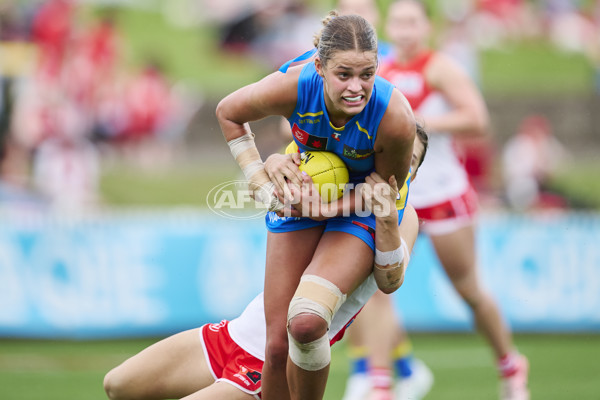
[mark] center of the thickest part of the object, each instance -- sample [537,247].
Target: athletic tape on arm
[246,154]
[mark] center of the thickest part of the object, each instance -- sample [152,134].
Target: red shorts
[449,215]
[228,362]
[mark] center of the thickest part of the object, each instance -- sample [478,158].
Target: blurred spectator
[145,115]
[570,30]
[67,171]
[52,29]
[477,156]
[17,57]
[529,160]
[273,32]
[92,61]
[54,128]
[148,102]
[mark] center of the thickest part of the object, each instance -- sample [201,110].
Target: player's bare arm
[390,258]
[272,95]
[275,94]
[469,115]
[395,138]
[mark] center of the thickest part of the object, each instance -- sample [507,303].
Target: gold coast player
[333,102]
[225,360]
[445,99]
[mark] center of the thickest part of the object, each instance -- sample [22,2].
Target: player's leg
[358,384]
[401,352]
[171,368]
[456,251]
[385,341]
[341,261]
[457,254]
[288,254]
[381,330]
[414,378]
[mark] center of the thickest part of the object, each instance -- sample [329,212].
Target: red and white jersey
[442,175]
[249,329]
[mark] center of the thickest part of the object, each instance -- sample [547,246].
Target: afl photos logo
[233,199]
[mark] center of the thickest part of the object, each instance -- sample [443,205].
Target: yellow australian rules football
[327,170]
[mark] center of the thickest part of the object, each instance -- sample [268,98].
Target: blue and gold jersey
[402,198]
[353,142]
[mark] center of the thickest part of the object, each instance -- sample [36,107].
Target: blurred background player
[368,10]
[540,154]
[449,104]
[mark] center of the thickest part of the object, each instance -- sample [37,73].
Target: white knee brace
[318,296]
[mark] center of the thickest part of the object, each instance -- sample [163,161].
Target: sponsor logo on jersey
[312,141]
[310,118]
[217,327]
[241,375]
[355,154]
[254,376]
[248,375]
[336,135]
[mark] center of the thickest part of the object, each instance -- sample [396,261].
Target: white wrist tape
[246,154]
[392,257]
[389,269]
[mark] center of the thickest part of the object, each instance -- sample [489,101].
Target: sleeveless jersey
[353,142]
[442,175]
[249,329]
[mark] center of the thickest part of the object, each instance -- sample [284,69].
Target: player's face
[348,80]
[407,26]
[418,149]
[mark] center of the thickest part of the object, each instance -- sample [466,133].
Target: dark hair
[424,139]
[344,32]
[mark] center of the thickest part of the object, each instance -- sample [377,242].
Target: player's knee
[307,327]
[310,313]
[114,386]
[471,295]
[310,354]
[120,385]
[315,296]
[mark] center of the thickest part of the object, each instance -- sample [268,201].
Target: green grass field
[563,367]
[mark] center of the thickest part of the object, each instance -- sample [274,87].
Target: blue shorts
[361,227]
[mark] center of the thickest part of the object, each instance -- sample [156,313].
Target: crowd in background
[67,93]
